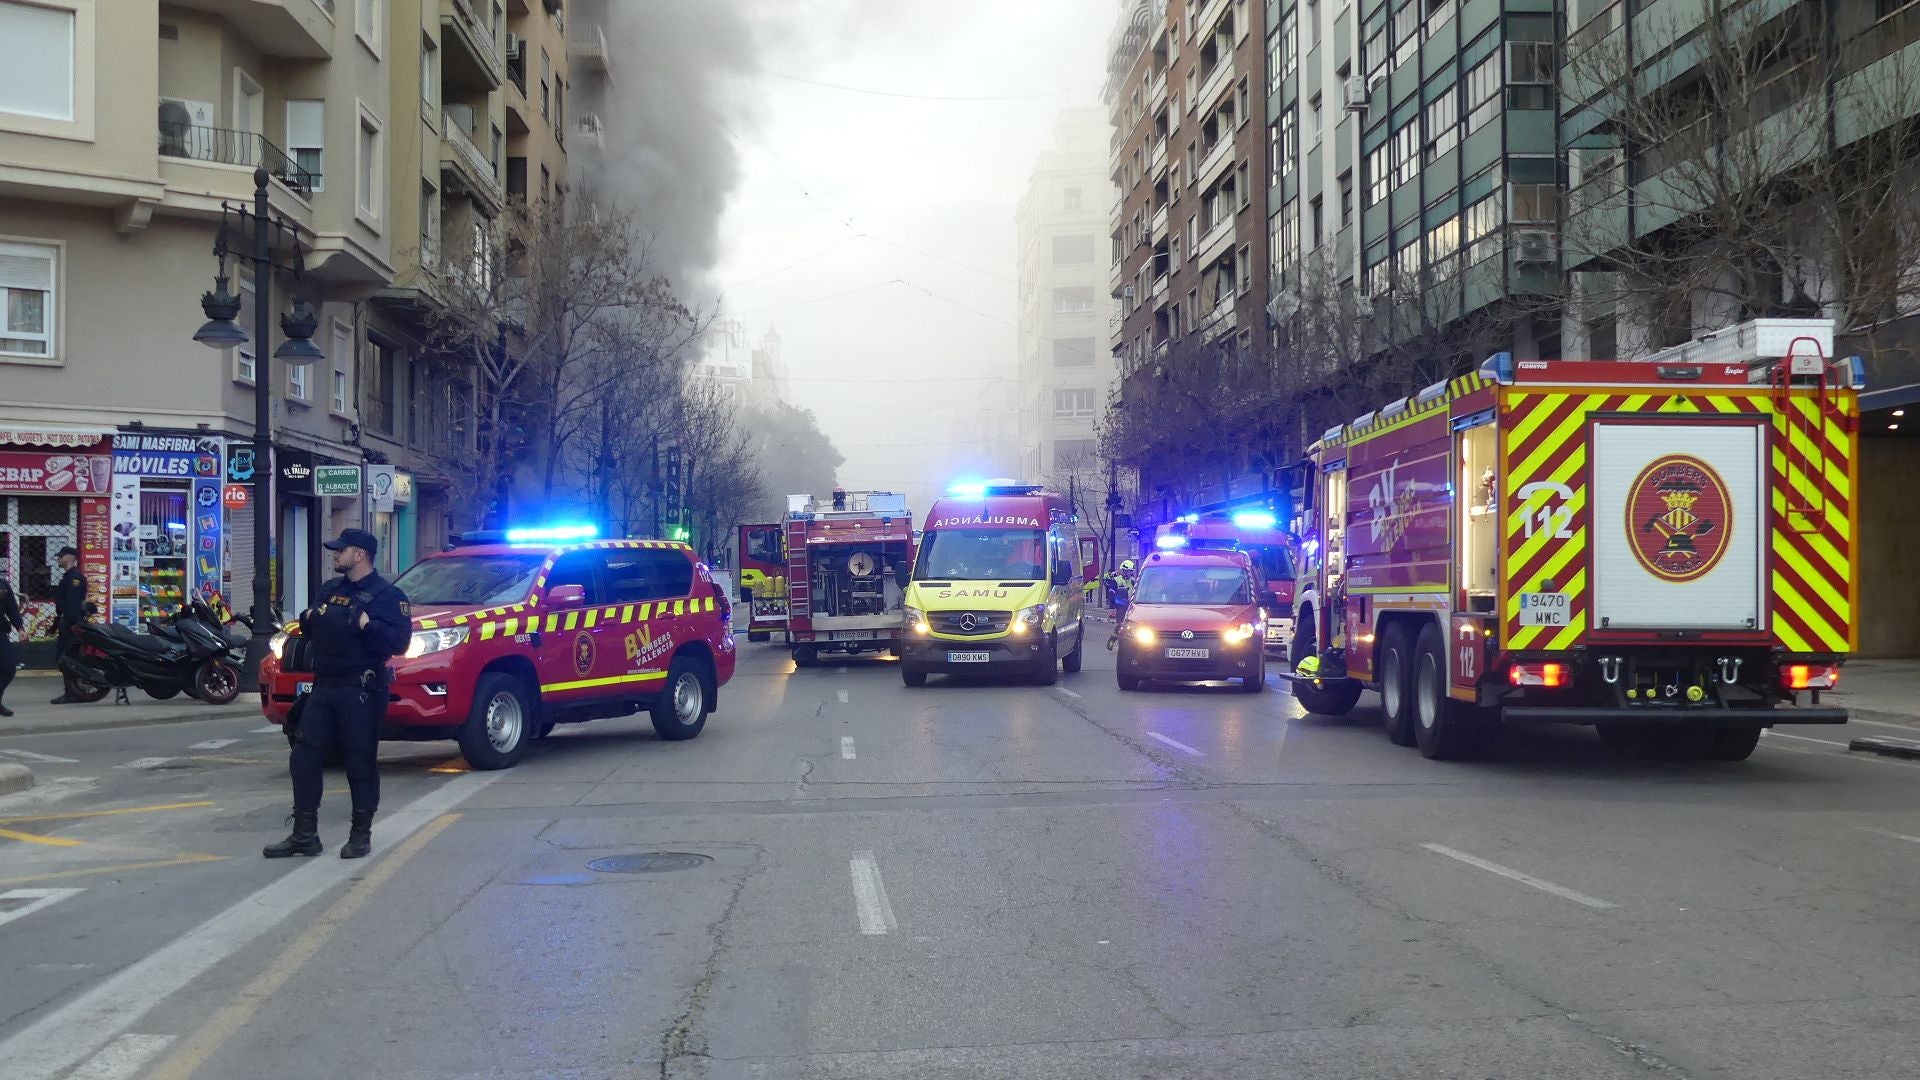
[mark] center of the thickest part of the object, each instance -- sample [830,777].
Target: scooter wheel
[216,682]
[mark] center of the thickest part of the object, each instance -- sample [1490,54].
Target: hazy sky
[851,208]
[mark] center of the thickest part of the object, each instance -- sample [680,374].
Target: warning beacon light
[1169,542]
[968,489]
[557,534]
[1254,519]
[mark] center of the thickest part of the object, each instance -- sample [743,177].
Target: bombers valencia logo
[1678,518]
[583,653]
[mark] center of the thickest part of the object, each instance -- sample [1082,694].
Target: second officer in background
[360,621]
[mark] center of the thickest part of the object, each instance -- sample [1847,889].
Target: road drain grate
[649,862]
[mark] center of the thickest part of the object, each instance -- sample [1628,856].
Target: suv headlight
[1029,618]
[432,641]
[917,621]
[277,645]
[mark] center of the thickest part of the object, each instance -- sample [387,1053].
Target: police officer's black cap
[358,538]
[66,551]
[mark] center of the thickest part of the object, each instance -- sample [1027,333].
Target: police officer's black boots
[304,840]
[360,837]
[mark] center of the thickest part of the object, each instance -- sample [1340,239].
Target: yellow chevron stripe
[1570,634]
[593,618]
[1829,555]
[1539,407]
[1556,441]
[459,620]
[511,627]
[626,614]
[428,624]
[1824,637]
[679,607]
[644,612]
[1816,583]
[487,630]
[1790,477]
[572,621]
[1517,518]
[1552,568]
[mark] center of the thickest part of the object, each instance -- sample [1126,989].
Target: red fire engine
[763,579]
[848,561]
[1663,549]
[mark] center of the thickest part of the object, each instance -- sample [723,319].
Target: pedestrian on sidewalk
[10,624]
[69,612]
[360,622]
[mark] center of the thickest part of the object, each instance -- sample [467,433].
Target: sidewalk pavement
[1886,690]
[29,698]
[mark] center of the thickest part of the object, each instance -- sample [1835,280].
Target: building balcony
[293,29]
[1222,320]
[1157,227]
[587,49]
[1157,294]
[1210,14]
[1214,243]
[1214,163]
[469,168]
[587,130]
[1156,91]
[215,165]
[1157,158]
[1216,82]
[471,58]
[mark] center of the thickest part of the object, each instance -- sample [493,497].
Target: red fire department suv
[1194,617]
[513,634]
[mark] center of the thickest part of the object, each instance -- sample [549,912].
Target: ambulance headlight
[917,621]
[426,642]
[1029,619]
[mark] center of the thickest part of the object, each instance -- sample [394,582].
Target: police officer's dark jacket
[70,596]
[341,648]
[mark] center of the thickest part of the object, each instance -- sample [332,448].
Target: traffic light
[673,478]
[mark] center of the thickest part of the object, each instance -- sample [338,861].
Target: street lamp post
[220,332]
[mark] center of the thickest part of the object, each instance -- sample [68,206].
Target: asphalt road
[966,881]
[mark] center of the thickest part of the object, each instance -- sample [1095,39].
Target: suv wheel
[680,712]
[498,727]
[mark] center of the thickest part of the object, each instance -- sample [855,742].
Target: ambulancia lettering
[1014,520]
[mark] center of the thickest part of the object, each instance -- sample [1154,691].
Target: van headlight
[1237,635]
[1029,618]
[917,621]
[426,642]
[277,645]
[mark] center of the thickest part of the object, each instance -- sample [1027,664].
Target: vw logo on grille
[1186,635]
[967,622]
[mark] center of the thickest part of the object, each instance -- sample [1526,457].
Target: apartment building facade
[125,129]
[1066,306]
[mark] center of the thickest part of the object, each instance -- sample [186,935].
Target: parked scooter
[192,653]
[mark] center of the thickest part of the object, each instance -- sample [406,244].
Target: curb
[15,778]
[1900,748]
[108,724]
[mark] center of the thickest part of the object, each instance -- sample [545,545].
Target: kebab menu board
[60,473]
[96,532]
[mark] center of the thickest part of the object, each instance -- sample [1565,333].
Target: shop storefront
[167,523]
[53,493]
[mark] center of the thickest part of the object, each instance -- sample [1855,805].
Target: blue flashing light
[1254,519]
[969,489]
[552,534]
[1169,542]
[1190,519]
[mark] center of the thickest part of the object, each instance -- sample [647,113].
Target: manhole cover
[649,862]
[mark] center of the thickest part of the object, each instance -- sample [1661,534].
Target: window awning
[51,436]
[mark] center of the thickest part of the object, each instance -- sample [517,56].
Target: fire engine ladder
[1804,434]
[799,574]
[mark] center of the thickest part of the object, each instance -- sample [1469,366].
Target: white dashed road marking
[1803,738]
[1514,875]
[843,697]
[25,902]
[870,895]
[1175,743]
[1889,833]
[213,744]
[846,747]
[270,729]
[1066,691]
[122,1058]
[45,759]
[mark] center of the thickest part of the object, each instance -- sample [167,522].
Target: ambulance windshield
[470,580]
[983,555]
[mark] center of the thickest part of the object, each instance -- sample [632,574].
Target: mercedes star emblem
[966,621]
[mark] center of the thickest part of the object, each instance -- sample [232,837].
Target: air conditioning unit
[1357,94]
[516,45]
[1536,246]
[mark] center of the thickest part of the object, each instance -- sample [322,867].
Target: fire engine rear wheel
[1734,743]
[680,712]
[1396,685]
[1445,729]
[1071,662]
[1336,700]
[805,656]
[495,734]
[759,635]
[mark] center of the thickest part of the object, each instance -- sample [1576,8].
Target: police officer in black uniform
[69,611]
[360,621]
